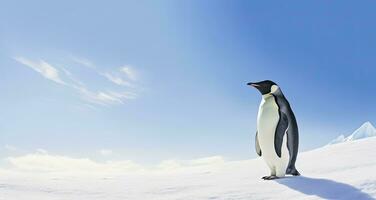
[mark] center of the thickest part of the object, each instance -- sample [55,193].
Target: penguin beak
[253,84]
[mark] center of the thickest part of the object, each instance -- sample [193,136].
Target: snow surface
[340,171]
[364,131]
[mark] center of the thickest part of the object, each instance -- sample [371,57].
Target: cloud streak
[117,80]
[10,147]
[43,68]
[83,61]
[98,97]
[105,152]
[129,72]
[122,77]
[105,98]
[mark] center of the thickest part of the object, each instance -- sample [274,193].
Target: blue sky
[155,80]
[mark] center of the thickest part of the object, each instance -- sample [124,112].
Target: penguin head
[265,87]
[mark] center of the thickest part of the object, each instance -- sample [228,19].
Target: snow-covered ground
[339,171]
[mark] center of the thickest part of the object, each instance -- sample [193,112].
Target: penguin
[277,136]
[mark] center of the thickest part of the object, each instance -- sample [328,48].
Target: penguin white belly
[267,122]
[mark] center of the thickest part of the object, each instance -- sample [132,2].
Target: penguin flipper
[258,149]
[280,131]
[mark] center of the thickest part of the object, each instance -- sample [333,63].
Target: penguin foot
[270,177]
[295,173]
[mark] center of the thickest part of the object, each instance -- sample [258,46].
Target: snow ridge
[364,131]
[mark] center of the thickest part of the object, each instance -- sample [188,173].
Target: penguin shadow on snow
[324,188]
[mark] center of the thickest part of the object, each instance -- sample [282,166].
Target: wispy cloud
[43,68]
[104,98]
[10,147]
[105,152]
[98,97]
[75,80]
[42,151]
[117,80]
[83,61]
[129,72]
[123,76]
[123,95]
